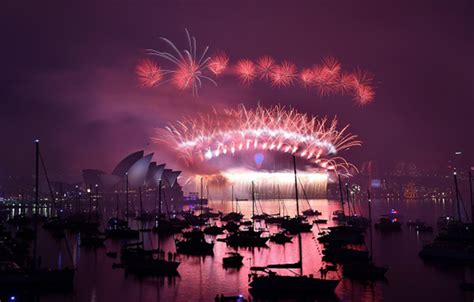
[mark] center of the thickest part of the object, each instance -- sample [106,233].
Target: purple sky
[68,73]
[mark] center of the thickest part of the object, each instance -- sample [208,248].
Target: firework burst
[246,70]
[218,63]
[190,69]
[265,66]
[362,89]
[190,66]
[307,77]
[284,74]
[149,74]
[277,129]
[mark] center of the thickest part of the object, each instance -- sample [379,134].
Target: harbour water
[202,278]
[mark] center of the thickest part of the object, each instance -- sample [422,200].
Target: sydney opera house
[136,170]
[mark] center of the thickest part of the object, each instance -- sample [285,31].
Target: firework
[265,66]
[284,74]
[189,65]
[307,77]
[276,129]
[246,70]
[149,74]
[362,89]
[190,70]
[218,63]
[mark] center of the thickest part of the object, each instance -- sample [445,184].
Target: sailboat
[194,242]
[365,269]
[268,282]
[34,276]
[249,237]
[233,215]
[278,218]
[165,224]
[118,228]
[136,259]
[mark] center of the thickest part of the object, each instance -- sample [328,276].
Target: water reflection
[201,278]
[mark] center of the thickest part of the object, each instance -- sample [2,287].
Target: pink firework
[346,82]
[149,73]
[364,94]
[190,66]
[273,129]
[265,66]
[246,70]
[184,76]
[307,77]
[284,74]
[218,63]
[362,89]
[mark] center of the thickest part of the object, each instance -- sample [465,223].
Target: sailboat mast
[348,197]
[126,196]
[300,247]
[296,187]
[457,195]
[341,194]
[232,198]
[36,202]
[370,222]
[471,194]
[141,210]
[253,206]
[117,205]
[202,197]
[159,200]
[90,203]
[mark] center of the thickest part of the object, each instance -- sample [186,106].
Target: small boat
[259,217]
[233,260]
[238,298]
[275,219]
[246,238]
[276,285]
[311,212]
[388,224]
[320,221]
[213,230]
[137,260]
[119,229]
[232,216]
[231,227]
[280,238]
[342,235]
[194,244]
[296,225]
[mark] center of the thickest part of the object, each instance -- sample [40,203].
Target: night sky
[68,74]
